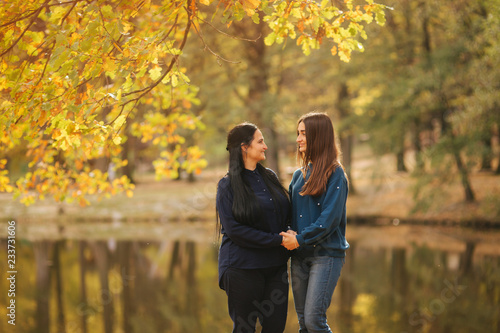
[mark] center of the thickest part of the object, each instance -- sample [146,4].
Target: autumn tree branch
[115,42]
[35,11]
[169,68]
[226,34]
[35,16]
[44,69]
[170,30]
[206,47]
[67,14]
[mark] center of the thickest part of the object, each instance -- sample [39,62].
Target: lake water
[153,277]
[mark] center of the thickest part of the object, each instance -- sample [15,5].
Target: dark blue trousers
[257,293]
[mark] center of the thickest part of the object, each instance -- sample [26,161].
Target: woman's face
[301,137]
[255,152]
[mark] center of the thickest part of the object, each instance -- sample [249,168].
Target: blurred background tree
[106,88]
[424,91]
[86,86]
[433,82]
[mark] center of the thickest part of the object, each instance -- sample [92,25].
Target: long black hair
[246,208]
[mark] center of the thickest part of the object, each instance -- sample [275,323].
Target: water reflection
[395,280]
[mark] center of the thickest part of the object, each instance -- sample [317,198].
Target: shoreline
[384,200]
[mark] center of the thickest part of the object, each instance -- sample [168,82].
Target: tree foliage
[76,75]
[425,91]
[430,91]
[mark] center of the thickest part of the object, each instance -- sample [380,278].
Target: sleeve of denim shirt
[241,234]
[331,212]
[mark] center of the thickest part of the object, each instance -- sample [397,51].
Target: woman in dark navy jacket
[252,209]
[318,191]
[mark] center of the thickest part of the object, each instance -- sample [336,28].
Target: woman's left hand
[289,241]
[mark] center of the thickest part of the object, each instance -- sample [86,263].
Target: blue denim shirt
[244,246]
[320,221]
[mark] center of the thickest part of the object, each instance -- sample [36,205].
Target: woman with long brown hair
[318,191]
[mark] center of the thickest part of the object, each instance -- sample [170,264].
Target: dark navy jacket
[244,246]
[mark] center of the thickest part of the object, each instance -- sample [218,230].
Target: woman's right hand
[289,241]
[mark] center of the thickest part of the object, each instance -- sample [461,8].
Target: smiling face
[255,152]
[301,137]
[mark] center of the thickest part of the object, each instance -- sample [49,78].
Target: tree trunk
[176,259]
[426,40]
[399,273]
[445,127]
[273,152]
[498,155]
[347,291]
[128,153]
[464,176]
[346,136]
[102,163]
[61,326]
[400,164]
[409,42]
[126,262]
[83,287]
[101,256]
[260,101]
[417,145]
[399,282]
[486,157]
[192,290]
[400,154]
[346,145]
[466,260]
[41,250]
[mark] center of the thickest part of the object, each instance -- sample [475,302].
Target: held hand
[291,232]
[289,241]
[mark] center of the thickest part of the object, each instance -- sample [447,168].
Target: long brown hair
[321,150]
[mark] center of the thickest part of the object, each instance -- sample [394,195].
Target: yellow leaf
[174,80]
[5,104]
[250,5]
[83,202]
[126,27]
[117,140]
[79,165]
[155,73]
[118,123]
[109,65]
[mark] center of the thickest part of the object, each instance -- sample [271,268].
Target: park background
[416,115]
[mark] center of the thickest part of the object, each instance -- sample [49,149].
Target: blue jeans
[313,282]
